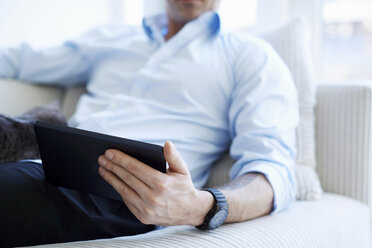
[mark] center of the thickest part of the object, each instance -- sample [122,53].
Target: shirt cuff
[280,178]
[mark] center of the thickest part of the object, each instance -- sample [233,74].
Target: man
[181,79]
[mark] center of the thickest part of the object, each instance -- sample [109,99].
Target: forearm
[249,196]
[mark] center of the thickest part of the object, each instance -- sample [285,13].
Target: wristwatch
[218,214]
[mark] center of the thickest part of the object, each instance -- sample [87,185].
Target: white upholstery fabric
[17,97]
[330,222]
[70,99]
[292,42]
[344,123]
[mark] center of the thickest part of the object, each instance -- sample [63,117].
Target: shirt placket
[169,48]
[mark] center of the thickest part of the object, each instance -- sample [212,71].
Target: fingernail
[102,161]
[101,171]
[109,155]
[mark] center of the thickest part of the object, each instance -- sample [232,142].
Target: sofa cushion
[322,223]
[24,96]
[70,99]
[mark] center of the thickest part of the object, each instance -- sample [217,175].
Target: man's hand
[152,196]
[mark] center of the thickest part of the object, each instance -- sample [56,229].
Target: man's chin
[190,14]
[188,10]
[189,1]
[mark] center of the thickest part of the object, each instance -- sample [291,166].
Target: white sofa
[340,218]
[343,126]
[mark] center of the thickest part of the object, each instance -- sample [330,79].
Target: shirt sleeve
[263,116]
[68,64]
[63,65]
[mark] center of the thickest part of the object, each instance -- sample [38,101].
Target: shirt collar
[156,27]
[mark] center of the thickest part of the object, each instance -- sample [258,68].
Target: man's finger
[142,171]
[132,181]
[176,163]
[124,190]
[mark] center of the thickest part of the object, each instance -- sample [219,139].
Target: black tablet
[69,156]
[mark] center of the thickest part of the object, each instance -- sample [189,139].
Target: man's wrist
[203,205]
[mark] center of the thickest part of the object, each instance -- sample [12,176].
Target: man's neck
[173,28]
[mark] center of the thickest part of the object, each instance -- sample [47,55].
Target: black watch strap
[218,214]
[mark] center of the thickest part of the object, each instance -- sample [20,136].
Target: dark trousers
[33,211]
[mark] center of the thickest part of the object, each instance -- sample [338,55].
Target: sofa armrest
[343,135]
[17,97]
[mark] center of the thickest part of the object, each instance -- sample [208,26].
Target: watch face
[218,219]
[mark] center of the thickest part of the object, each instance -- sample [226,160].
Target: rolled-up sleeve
[263,117]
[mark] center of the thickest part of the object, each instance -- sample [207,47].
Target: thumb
[175,162]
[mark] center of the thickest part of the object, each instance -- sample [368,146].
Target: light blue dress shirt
[206,90]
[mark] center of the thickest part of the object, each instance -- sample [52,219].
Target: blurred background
[341,29]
